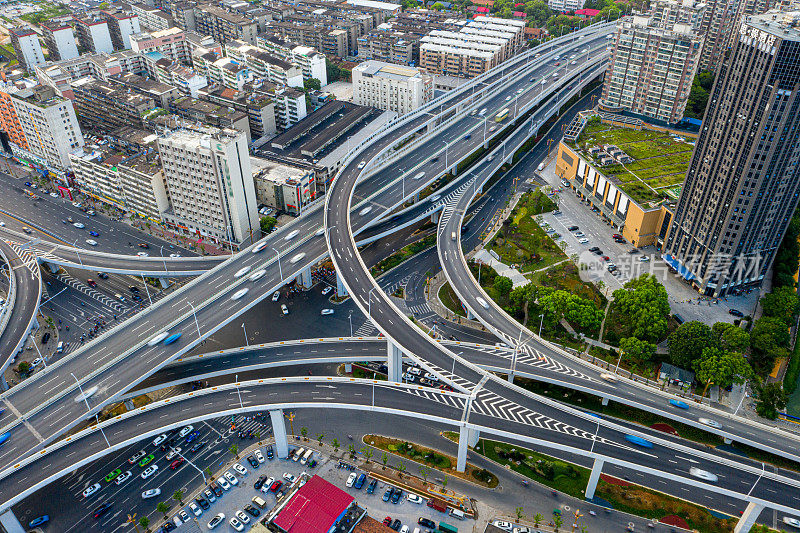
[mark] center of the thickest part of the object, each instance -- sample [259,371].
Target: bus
[501,116]
[447,528]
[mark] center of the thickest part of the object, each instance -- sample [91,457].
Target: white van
[260,503]
[60,347]
[306,456]
[453,235]
[457,513]
[540,167]
[298,454]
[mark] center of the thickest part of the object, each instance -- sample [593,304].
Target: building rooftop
[379,69]
[144,84]
[782,24]
[314,508]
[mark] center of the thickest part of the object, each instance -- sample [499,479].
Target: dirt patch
[665,428]
[674,520]
[611,480]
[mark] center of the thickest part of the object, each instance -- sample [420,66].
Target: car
[195,509]
[289,477]
[679,404]
[415,498]
[710,423]
[327,290]
[291,235]
[434,198]
[371,486]
[149,471]
[296,258]
[396,495]
[326,312]
[91,242]
[387,520]
[426,522]
[252,461]
[644,259]
[202,502]
[639,441]
[508,98]
[142,254]
[158,440]
[241,272]
[259,456]
[573,228]
[703,474]
[284,309]
[91,489]
[78,225]
[217,520]
[158,338]
[735,312]
[260,246]
[236,524]
[257,275]
[260,482]
[133,459]
[351,480]
[502,524]
[252,510]
[482,302]
[103,509]
[174,255]
[111,476]
[583,240]
[522,529]
[789,521]
[360,481]
[605,258]
[231,478]
[172,453]
[270,453]
[185,431]
[94,234]
[150,493]
[276,485]
[240,293]
[240,469]
[176,463]
[396,524]
[362,164]
[146,460]
[209,495]
[243,518]
[598,252]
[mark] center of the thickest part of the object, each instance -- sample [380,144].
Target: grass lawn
[403,254]
[565,277]
[448,297]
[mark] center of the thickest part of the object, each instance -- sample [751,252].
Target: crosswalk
[421,310]
[28,258]
[367,329]
[530,356]
[68,280]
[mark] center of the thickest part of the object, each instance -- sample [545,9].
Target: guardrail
[8,306]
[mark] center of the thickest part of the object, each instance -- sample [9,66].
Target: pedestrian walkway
[502,269]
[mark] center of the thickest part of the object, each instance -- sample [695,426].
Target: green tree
[731,337]
[23,367]
[686,344]
[503,286]
[234,449]
[769,339]
[352,450]
[781,303]
[145,523]
[520,513]
[208,474]
[367,452]
[178,496]
[444,481]
[721,367]
[267,223]
[304,432]
[636,350]
[557,521]
[312,84]
[438,6]
[320,436]
[770,399]
[641,308]
[335,444]
[537,519]
[401,467]
[698,95]
[424,472]
[578,311]
[163,508]
[384,459]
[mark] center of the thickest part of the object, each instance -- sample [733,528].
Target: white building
[210,184]
[27,48]
[283,187]
[263,65]
[49,124]
[94,34]
[308,59]
[565,5]
[60,41]
[391,87]
[290,107]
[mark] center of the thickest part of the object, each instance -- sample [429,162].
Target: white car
[91,242]
[240,469]
[150,493]
[289,477]
[184,516]
[258,247]
[703,474]
[235,524]
[789,521]
[172,453]
[580,234]
[242,517]
[158,338]
[158,440]
[185,431]
[327,312]
[223,483]
[415,370]
[291,235]
[76,204]
[362,164]
[231,478]
[195,509]
[267,484]
[123,477]
[297,257]
[522,529]
[54,194]
[415,498]
[217,520]
[149,471]
[88,491]
[365,211]
[257,275]
[609,377]
[644,259]
[241,272]
[142,254]
[174,255]
[710,423]
[240,293]
[505,526]
[583,240]
[284,309]
[483,302]
[78,225]
[276,296]
[350,480]
[432,377]
[86,394]
[259,456]
[327,290]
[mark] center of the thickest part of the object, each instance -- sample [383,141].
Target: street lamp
[541,322]
[350,318]
[239,393]
[163,260]
[75,245]
[89,409]
[245,335]
[146,289]
[196,323]
[280,270]
[369,302]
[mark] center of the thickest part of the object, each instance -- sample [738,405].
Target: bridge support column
[305,278]
[748,518]
[466,438]
[594,477]
[604,401]
[341,290]
[394,362]
[10,523]
[470,316]
[727,440]
[279,430]
[164,282]
[52,267]
[435,217]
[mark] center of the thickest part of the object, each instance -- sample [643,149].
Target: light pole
[369,303]
[446,145]
[163,260]
[541,322]
[239,393]
[245,335]
[280,270]
[40,353]
[350,318]
[75,245]
[196,323]
[619,360]
[89,409]
[146,289]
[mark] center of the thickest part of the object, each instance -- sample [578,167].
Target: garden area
[521,241]
[403,254]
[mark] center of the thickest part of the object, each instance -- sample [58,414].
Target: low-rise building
[257,104]
[104,106]
[170,42]
[229,73]
[391,87]
[161,93]
[283,187]
[309,60]
[263,65]
[173,73]
[211,114]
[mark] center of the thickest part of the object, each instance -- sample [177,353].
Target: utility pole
[290,418]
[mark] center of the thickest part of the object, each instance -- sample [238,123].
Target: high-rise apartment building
[391,87]
[718,20]
[27,47]
[60,41]
[210,184]
[121,25]
[94,35]
[667,13]
[651,69]
[744,178]
[223,25]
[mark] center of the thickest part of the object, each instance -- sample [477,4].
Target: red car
[176,463]
[275,486]
[387,520]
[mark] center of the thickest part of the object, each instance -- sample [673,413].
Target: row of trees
[554,304]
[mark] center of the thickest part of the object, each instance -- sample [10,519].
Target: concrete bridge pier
[594,477]
[435,217]
[748,518]
[164,282]
[9,523]
[306,278]
[53,268]
[341,290]
[604,401]
[467,438]
[394,362]
[279,430]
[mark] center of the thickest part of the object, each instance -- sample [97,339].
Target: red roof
[483,10]
[588,12]
[520,14]
[314,508]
